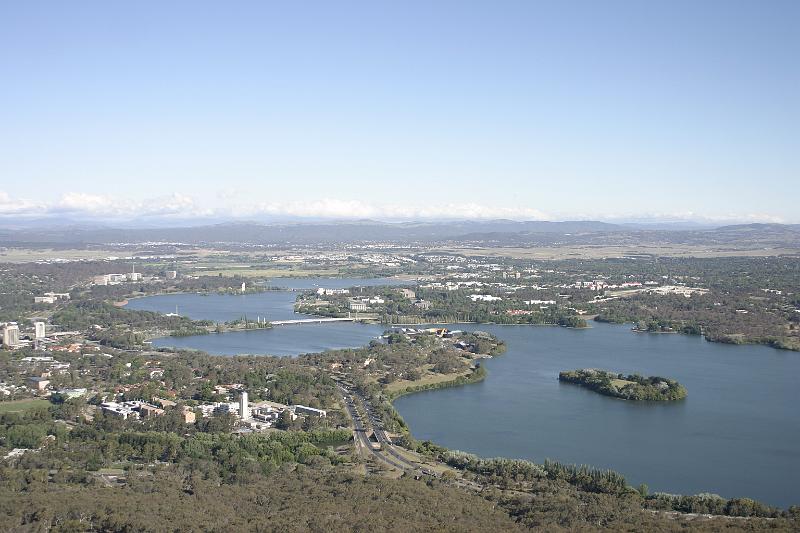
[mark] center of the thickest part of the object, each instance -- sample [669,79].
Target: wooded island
[630,387]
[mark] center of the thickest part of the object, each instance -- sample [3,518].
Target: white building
[332,292]
[357,306]
[10,334]
[244,407]
[123,410]
[303,410]
[484,298]
[41,329]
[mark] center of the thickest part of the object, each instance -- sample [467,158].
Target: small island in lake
[631,387]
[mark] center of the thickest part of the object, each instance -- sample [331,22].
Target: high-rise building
[244,408]
[10,334]
[41,329]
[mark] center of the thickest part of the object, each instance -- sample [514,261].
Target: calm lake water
[272,305]
[737,433]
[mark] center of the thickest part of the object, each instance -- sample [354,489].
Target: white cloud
[356,209]
[10,206]
[683,216]
[81,205]
[94,205]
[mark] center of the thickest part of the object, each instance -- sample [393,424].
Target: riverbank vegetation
[631,387]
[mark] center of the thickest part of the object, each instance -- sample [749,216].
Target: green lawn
[17,406]
[619,383]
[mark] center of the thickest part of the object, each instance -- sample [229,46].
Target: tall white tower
[244,408]
[41,330]
[11,334]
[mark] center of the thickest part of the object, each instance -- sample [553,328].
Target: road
[387,453]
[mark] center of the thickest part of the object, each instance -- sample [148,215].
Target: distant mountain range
[498,232]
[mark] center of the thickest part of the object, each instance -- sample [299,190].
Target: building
[303,410]
[133,276]
[172,274]
[44,299]
[484,298]
[408,293]
[120,410]
[113,279]
[244,407]
[72,393]
[332,292]
[38,383]
[58,295]
[10,334]
[189,416]
[41,329]
[147,410]
[357,306]
[423,304]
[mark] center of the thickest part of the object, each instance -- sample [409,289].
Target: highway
[387,453]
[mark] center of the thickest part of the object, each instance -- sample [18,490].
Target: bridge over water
[310,321]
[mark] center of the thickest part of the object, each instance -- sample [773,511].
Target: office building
[10,335]
[244,407]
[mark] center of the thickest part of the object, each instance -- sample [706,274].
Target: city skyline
[522,111]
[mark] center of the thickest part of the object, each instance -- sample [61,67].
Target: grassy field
[600,252]
[429,378]
[619,383]
[267,272]
[17,406]
[24,255]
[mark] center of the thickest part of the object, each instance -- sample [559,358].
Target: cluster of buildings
[136,409]
[114,279]
[259,415]
[439,332]
[11,336]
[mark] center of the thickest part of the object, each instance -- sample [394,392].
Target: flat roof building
[10,334]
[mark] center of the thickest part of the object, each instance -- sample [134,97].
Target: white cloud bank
[94,207]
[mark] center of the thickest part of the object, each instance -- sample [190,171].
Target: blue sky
[679,109]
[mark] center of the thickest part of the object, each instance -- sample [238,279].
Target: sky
[613,110]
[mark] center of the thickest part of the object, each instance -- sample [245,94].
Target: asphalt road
[387,453]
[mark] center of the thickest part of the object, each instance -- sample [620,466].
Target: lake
[272,305]
[737,433]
